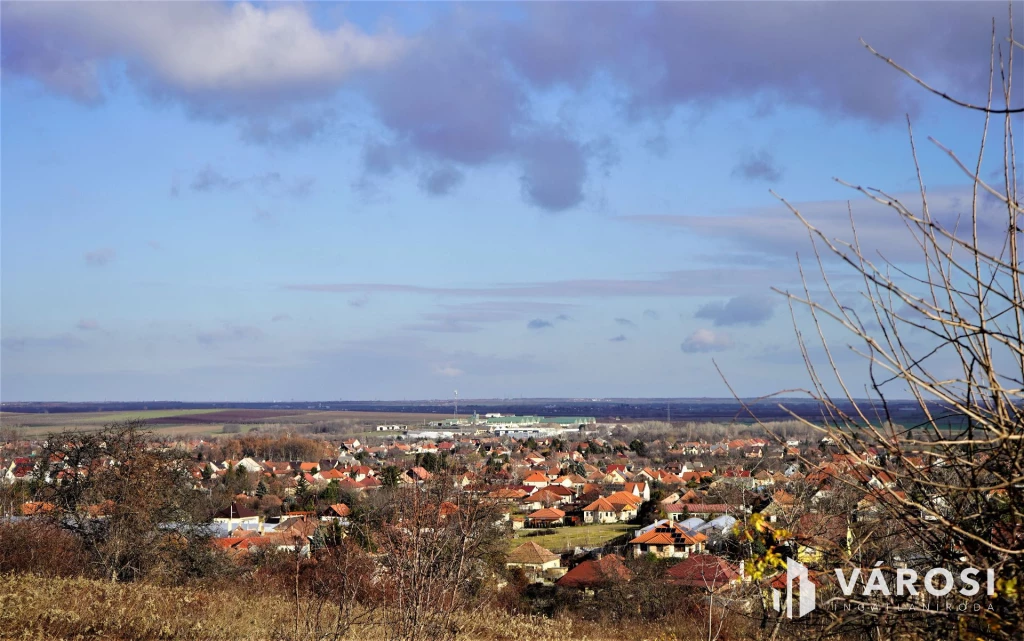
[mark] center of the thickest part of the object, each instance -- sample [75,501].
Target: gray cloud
[288,131]
[754,309]
[773,233]
[621,338]
[300,187]
[553,170]
[797,53]
[229,334]
[444,326]
[88,324]
[209,179]
[625,322]
[470,317]
[690,282]
[539,323]
[28,343]
[263,216]
[651,314]
[380,158]
[706,340]
[758,165]
[278,318]
[100,257]
[359,301]
[441,181]
[462,91]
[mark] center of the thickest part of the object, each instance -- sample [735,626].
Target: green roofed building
[522,421]
[570,420]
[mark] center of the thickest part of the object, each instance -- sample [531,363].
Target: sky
[322,201]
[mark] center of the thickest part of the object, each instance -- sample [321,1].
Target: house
[249,465]
[351,445]
[275,468]
[705,511]
[339,513]
[545,517]
[595,573]
[236,515]
[416,475]
[641,489]
[614,477]
[327,476]
[600,511]
[704,572]
[537,480]
[536,562]
[33,508]
[545,497]
[818,535]
[668,540]
[763,478]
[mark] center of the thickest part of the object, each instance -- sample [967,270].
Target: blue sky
[386,201]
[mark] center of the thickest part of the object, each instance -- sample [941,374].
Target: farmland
[212,421]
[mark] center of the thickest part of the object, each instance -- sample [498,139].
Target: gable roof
[536,477]
[600,505]
[547,513]
[592,573]
[531,553]
[669,533]
[702,571]
[235,511]
[338,509]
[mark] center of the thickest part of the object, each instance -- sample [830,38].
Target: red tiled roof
[703,571]
[547,514]
[593,573]
[669,534]
[700,508]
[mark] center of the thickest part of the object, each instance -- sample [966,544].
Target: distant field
[91,418]
[570,537]
[208,421]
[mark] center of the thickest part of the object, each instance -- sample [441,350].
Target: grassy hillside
[36,608]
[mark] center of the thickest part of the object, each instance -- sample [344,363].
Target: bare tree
[132,505]
[946,328]
[436,547]
[332,591]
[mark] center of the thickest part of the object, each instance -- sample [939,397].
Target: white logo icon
[795,571]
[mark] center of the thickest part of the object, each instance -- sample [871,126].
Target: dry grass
[33,608]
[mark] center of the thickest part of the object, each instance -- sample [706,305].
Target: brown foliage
[38,546]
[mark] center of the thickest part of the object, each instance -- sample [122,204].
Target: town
[576,512]
[733,293]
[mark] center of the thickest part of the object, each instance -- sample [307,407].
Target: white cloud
[198,52]
[706,340]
